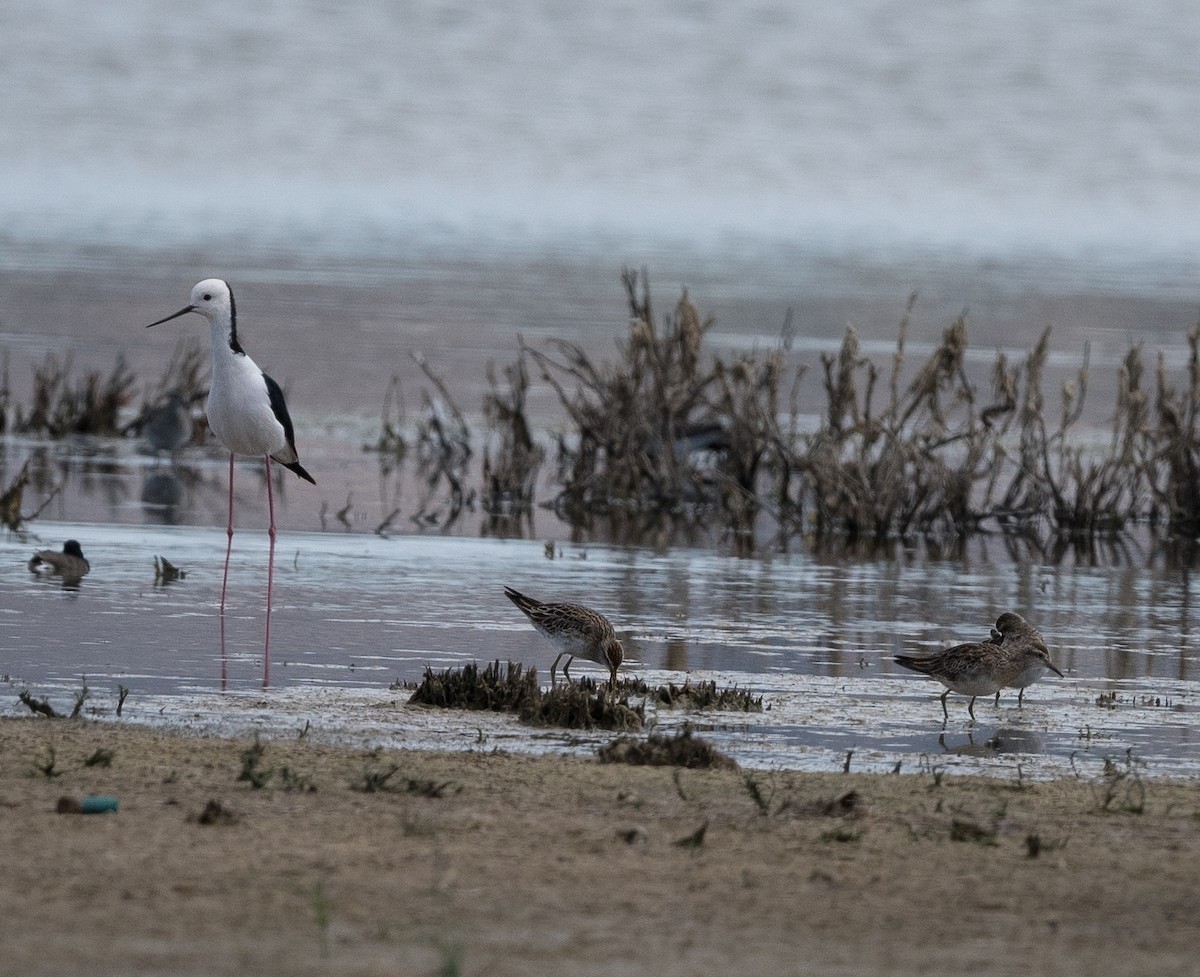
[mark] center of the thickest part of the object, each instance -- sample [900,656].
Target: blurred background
[953,132]
[384,177]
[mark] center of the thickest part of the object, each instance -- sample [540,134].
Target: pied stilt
[247,414]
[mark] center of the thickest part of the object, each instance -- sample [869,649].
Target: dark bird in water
[168,426]
[70,564]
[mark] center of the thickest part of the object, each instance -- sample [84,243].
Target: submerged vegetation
[670,438]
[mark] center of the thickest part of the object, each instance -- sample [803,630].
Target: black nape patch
[233,339]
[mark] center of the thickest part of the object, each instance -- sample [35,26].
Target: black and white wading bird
[247,414]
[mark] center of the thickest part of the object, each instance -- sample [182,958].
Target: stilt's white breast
[239,407]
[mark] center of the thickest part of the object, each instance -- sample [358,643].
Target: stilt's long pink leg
[228,544]
[270,575]
[225,578]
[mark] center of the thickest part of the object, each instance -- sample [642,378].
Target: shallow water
[449,176]
[353,614]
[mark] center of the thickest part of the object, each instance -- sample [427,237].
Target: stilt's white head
[213,299]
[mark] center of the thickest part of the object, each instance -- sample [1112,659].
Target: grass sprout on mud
[695,696]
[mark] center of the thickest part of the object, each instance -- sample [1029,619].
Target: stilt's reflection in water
[162,494]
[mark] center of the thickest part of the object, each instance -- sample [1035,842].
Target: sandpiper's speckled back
[976,668]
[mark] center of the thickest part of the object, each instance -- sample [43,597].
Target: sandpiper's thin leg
[998,699]
[971,708]
[945,711]
[567,668]
[270,575]
[1020,698]
[554,666]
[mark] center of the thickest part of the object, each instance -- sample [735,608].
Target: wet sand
[525,865]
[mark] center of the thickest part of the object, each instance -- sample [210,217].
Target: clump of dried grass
[497,688]
[514,688]
[696,696]
[61,408]
[582,705]
[662,433]
[659,750]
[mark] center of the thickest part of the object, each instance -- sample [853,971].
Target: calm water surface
[354,614]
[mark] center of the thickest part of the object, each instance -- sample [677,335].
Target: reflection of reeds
[391,444]
[10,500]
[11,516]
[510,472]
[443,449]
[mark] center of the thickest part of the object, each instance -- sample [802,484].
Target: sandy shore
[488,863]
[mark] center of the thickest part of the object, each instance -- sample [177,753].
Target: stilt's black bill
[174,315]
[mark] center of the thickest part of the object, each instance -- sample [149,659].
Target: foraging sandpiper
[576,631]
[1011,629]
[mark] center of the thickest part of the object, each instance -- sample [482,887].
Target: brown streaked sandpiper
[980,668]
[1011,629]
[576,631]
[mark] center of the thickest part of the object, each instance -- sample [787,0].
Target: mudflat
[345,861]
